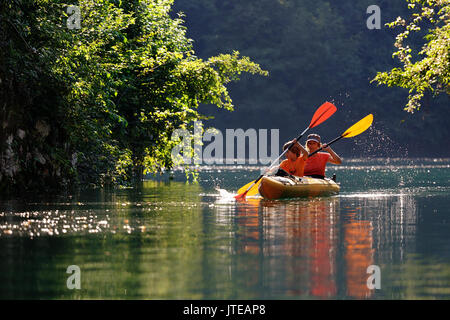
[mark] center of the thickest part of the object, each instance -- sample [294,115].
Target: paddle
[325,111]
[359,127]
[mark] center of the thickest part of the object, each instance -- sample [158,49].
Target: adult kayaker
[315,165]
[296,159]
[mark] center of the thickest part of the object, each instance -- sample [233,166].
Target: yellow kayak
[274,187]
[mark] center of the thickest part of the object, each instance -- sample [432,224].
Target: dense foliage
[432,72]
[98,103]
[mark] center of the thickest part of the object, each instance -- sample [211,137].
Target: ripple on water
[53,222]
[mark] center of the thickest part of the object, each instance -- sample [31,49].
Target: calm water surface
[173,240]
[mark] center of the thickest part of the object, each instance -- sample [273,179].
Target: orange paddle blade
[325,111]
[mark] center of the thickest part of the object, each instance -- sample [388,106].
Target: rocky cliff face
[28,158]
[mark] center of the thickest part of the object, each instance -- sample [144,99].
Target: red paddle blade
[241,196]
[323,113]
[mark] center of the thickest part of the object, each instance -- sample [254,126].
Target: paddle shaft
[276,160]
[328,144]
[290,146]
[358,128]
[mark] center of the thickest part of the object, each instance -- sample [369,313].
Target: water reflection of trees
[165,242]
[307,250]
[322,247]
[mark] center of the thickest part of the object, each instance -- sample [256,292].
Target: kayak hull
[283,187]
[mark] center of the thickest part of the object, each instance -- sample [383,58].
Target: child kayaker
[296,159]
[315,165]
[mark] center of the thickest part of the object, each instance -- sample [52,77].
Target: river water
[169,239]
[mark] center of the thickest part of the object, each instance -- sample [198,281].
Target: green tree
[431,73]
[164,83]
[99,104]
[34,152]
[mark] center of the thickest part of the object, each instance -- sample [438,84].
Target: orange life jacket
[316,164]
[295,168]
